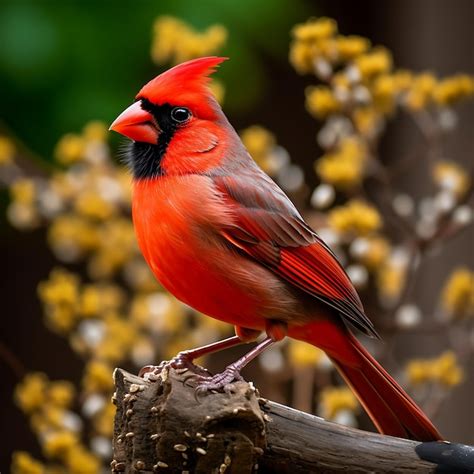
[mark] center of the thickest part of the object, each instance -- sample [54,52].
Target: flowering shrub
[117,312]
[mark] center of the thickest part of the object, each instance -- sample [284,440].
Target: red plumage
[223,237]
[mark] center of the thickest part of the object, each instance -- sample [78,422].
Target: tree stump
[160,426]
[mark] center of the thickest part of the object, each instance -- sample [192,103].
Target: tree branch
[161,427]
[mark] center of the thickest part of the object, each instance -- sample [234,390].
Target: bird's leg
[185,359]
[276,331]
[231,372]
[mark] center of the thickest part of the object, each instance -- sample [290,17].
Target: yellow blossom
[91,204]
[315,29]
[366,120]
[301,353]
[7,151]
[61,393]
[458,293]
[420,93]
[343,168]
[80,461]
[30,394]
[356,217]
[336,399]
[57,444]
[378,250]
[261,144]
[23,191]
[175,41]
[218,90]
[349,47]
[443,370]
[320,102]
[453,89]
[23,463]
[302,56]
[451,176]
[377,61]
[97,377]
[95,131]
[70,149]
[90,301]
[61,288]
[70,236]
[104,420]
[390,280]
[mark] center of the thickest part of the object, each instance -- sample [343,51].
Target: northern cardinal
[222,237]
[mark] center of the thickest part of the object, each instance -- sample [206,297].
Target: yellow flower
[90,301]
[7,151]
[453,89]
[104,420]
[390,280]
[315,29]
[80,461]
[175,41]
[343,168]
[377,61]
[349,47]
[57,444]
[30,394]
[458,293]
[302,57]
[378,250]
[452,177]
[70,149]
[336,399]
[95,131]
[61,394]
[261,144]
[301,353]
[443,370]
[420,93]
[98,377]
[62,288]
[218,90]
[23,191]
[70,236]
[356,217]
[23,463]
[366,120]
[91,204]
[320,102]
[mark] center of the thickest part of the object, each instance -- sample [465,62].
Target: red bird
[222,237]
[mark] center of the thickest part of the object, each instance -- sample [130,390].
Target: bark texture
[161,427]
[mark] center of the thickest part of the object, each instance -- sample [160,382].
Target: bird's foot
[218,382]
[181,362]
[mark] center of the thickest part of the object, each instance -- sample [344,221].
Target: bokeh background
[63,64]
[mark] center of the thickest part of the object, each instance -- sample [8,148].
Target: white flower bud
[323,196]
[408,316]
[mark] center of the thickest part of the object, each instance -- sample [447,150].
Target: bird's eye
[180,114]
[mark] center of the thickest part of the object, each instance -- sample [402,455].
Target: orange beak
[136,124]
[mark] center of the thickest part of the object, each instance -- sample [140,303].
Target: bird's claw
[179,362]
[219,382]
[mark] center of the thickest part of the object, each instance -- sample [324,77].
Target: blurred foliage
[118,313]
[63,62]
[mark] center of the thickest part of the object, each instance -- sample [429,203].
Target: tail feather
[390,408]
[388,405]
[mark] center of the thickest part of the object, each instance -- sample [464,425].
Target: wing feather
[269,229]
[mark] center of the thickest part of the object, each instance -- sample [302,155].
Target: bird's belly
[204,280]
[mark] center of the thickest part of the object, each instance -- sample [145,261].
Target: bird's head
[174,120]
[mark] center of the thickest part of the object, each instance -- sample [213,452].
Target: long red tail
[388,405]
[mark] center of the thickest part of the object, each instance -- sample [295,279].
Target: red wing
[269,229]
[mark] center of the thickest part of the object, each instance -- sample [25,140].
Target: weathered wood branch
[161,427]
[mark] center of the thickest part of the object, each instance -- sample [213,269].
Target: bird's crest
[184,84]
